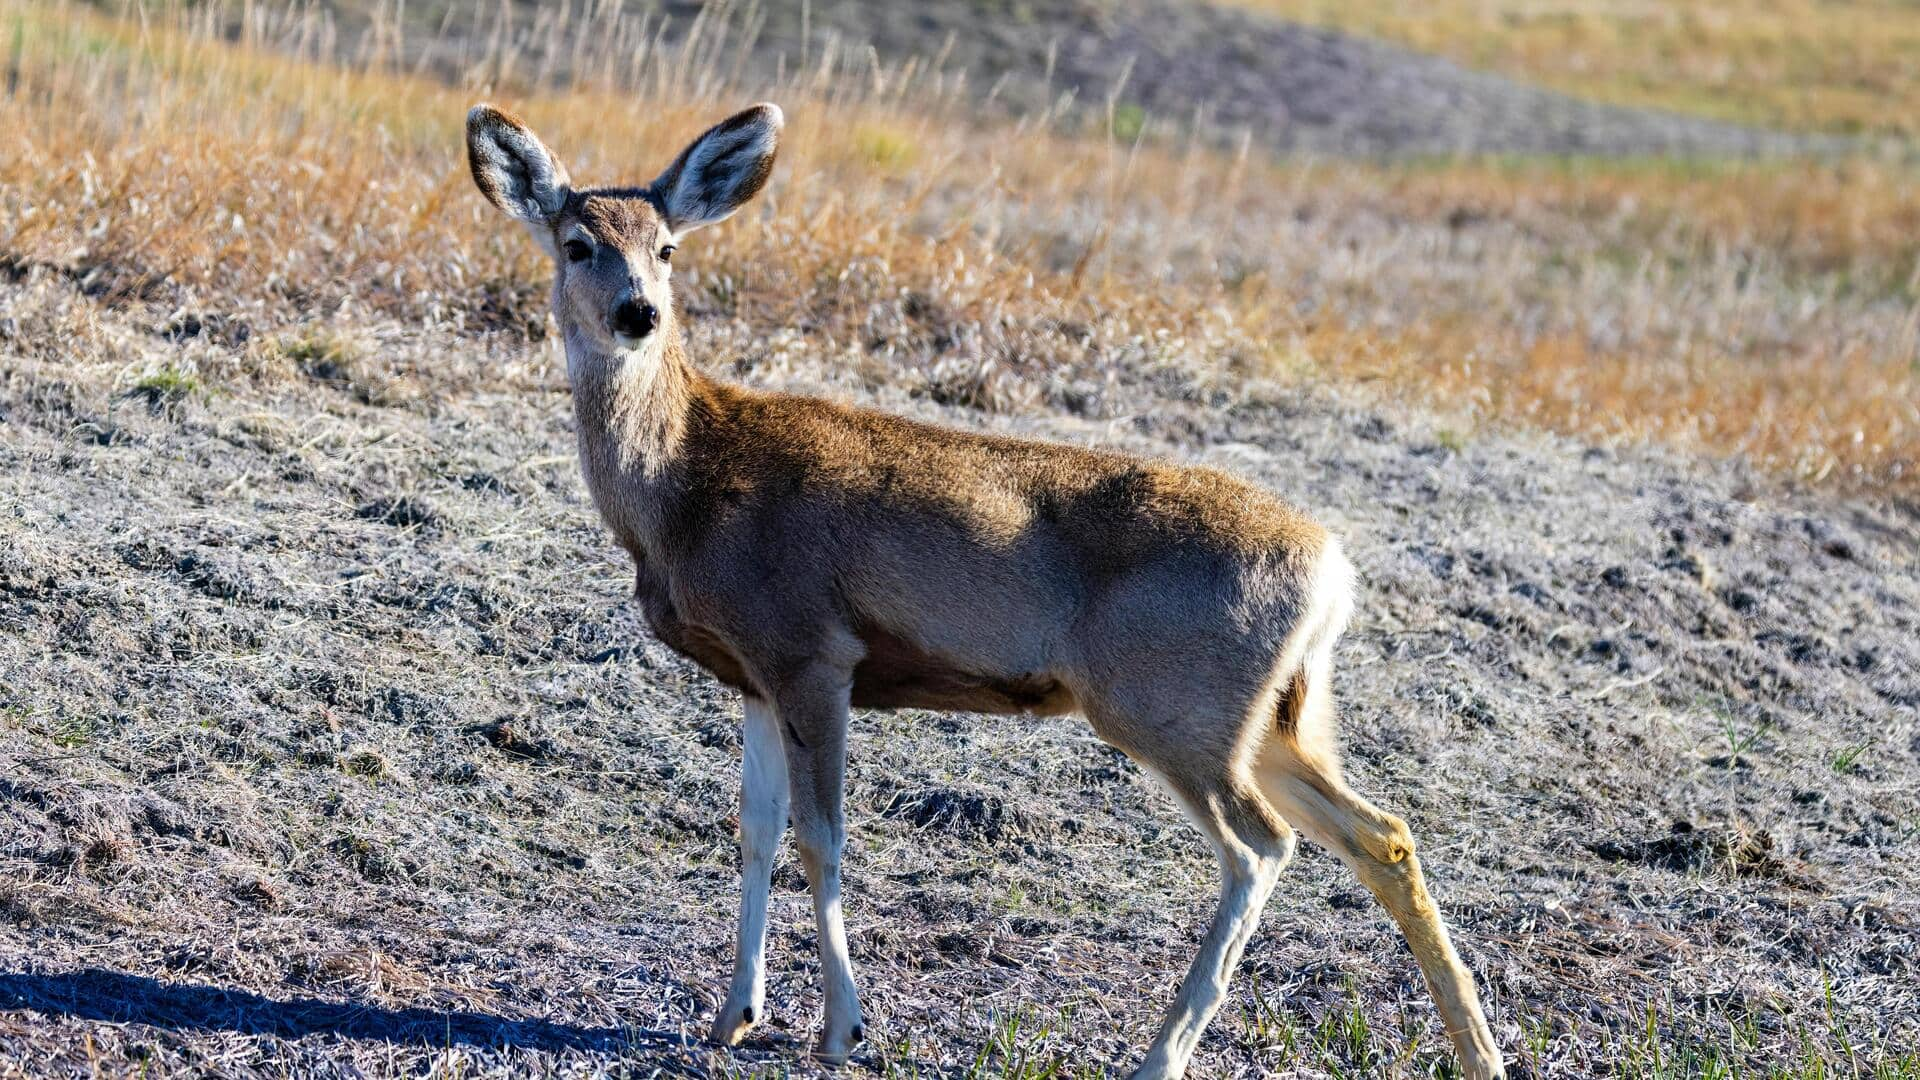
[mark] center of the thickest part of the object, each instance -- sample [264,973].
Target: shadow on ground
[97,994]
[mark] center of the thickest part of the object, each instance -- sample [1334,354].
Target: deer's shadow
[99,994]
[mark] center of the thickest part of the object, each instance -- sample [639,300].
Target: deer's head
[612,248]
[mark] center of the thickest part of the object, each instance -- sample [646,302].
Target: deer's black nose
[634,319]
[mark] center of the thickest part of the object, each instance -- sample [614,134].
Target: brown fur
[737,522]
[816,557]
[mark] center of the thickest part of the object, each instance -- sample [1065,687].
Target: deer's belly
[896,674]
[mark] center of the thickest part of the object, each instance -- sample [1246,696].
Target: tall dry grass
[244,162]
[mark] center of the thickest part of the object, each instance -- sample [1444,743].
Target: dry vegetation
[1851,66]
[327,745]
[1766,310]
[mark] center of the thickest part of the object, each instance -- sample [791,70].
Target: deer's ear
[512,167]
[721,170]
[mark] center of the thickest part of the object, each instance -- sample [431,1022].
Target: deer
[818,558]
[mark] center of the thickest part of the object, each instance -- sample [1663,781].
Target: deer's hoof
[836,1047]
[733,1021]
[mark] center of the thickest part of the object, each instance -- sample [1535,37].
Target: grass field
[329,741]
[1770,310]
[1851,66]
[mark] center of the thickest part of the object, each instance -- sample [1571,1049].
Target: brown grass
[1764,310]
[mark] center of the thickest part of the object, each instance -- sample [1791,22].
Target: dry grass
[329,745]
[1765,310]
[1817,65]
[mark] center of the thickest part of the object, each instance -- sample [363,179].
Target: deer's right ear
[513,168]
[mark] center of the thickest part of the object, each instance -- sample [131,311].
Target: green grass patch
[167,387]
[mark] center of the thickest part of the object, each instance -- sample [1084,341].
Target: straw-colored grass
[1847,66]
[1767,310]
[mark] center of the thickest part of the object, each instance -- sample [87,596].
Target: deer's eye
[578,250]
[666,254]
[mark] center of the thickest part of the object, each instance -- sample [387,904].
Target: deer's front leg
[763,818]
[813,718]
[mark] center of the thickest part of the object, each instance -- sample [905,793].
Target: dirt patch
[964,815]
[1686,849]
[401,511]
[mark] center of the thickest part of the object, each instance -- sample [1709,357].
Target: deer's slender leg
[1254,846]
[763,818]
[1307,789]
[813,718]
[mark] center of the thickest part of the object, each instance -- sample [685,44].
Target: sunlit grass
[1849,66]
[1769,310]
[1338,1039]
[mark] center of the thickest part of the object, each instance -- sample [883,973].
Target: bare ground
[331,743]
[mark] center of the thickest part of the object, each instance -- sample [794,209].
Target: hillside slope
[1797,65]
[330,741]
[1292,87]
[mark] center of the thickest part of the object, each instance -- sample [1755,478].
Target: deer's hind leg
[1253,843]
[1299,772]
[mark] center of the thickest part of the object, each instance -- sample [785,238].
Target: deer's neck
[633,410]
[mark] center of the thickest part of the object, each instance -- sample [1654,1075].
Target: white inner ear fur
[532,184]
[701,196]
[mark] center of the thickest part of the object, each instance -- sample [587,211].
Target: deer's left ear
[721,170]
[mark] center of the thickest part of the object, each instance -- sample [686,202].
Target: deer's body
[949,570]
[818,557]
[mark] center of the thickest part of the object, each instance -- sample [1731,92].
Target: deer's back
[884,474]
[959,568]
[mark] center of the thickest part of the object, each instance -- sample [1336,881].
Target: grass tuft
[166,388]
